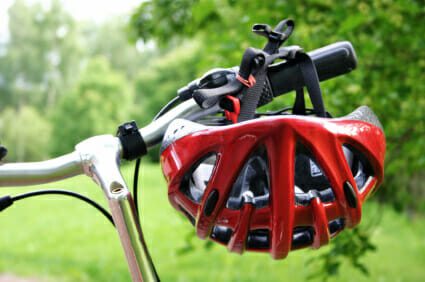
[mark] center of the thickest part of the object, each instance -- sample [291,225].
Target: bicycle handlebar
[330,61]
[21,174]
[152,133]
[99,157]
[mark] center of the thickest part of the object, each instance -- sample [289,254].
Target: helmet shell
[274,227]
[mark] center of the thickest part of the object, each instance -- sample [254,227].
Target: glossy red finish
[320,224]
[237,241]
[279,135]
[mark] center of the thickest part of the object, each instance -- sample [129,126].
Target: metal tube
[21,174]
[153,132]
[131,236]
[101,158]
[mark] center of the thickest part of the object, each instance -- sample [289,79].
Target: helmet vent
[259,239]
[177,129]
[336,226]
[359,165]
[221,234]
[302,237]
[254,176]
[196,180]
[310,177]
[188,215]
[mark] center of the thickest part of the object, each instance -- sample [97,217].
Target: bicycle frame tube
[99,157]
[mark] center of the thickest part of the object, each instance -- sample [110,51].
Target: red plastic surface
[233,144]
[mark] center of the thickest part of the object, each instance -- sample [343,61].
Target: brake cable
[135,184]
[167,107]
[7,201]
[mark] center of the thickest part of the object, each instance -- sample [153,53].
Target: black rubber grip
[330,61]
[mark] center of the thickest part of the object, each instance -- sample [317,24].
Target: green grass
[59,239]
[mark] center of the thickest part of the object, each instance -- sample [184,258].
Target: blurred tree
[157,83]
[41,57]
[110,40]
[42,60]
[25,133]
[100,101]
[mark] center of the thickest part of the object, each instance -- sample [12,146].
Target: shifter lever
[214,78]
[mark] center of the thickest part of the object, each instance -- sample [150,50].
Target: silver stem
[131,236]
[101,161]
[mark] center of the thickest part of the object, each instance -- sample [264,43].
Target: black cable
[167,107]
[66,193]
[135,184]
[286,111]
[274,113]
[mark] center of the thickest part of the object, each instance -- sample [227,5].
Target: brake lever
[207,98]
[212,79]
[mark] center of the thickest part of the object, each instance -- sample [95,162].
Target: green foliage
[80,245]
[150,11]
[110,40]
[157,83]
[25,133]
[42,61]
[100,101]
[351,245]
[41,56]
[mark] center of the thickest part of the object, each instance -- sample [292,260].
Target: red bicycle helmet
[274,184]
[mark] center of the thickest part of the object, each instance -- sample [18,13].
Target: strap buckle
[232,108]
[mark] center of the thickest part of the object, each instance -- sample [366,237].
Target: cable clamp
[132,142]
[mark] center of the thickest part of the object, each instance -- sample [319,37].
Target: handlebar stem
[100,157]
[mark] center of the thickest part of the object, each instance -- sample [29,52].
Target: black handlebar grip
[330,61]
